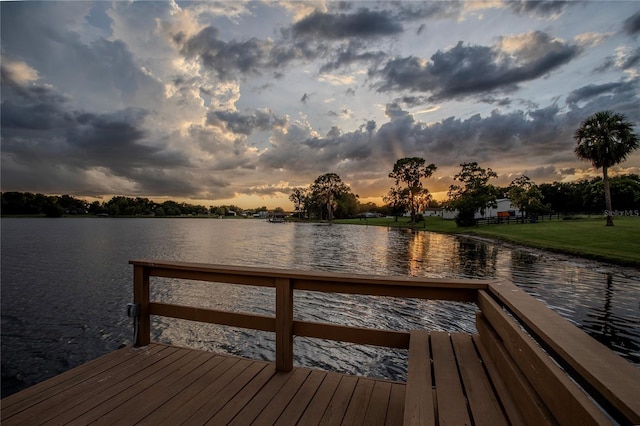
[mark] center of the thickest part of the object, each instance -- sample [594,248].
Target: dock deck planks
[161,384]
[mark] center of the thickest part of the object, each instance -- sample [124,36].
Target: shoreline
[516,244]
[597,232]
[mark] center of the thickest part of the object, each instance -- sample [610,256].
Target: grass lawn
[586,237]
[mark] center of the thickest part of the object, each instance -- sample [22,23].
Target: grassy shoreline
[586,237]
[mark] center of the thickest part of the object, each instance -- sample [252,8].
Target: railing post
[141,297]
[284,325]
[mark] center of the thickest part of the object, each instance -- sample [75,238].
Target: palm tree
[606,139]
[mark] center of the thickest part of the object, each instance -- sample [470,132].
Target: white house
[504,209]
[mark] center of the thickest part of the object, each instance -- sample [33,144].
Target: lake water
[66,283]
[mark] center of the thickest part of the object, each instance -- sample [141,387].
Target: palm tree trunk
[607,196]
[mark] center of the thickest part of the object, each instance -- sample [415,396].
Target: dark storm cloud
[112,140]
[364,24]
[412,101]
[12,86]
[503,102]
[542,173]
[543,9]
[350,54]
[34,107]
[632,24]
[85,140]
[370,126]
[592,90]
[428,10]
[622,97]
[492,139]
[225,58]
[229,59]
[469,70]
[44,140]
[337,146]
[341,38]
[310,155]
[246,123]
[158,181]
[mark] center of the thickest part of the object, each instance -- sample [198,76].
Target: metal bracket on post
[133,311]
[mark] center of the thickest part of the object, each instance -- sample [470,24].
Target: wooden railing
[565,369]
[284,282]
[550,370]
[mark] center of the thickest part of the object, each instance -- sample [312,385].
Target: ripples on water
[65,285]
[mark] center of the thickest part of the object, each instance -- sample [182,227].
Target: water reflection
[619,333]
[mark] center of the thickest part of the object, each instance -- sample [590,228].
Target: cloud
[42,135]
[550,9]
[590,91]
[631,25]
[592,39]
[226,58]
[27,105]
[245,124]
[351,54]
[364,23]
[428,10]
[463,71]
[18,73]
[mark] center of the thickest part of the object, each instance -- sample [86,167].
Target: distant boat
[276,218]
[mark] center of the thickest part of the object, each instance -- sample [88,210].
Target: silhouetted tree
[325,189]
[410,171]
[474,194]
[606,139]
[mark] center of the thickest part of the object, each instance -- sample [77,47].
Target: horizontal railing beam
[211,276]
[233,319]
[435,291]
[361,336]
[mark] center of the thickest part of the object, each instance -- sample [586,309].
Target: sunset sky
[239,102]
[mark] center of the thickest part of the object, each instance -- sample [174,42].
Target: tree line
[583,196]
[26,203]
[471,192]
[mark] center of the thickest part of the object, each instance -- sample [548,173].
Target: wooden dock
[161,384]
[525,366]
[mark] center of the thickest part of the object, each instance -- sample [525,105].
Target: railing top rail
[316,276]
[617,380]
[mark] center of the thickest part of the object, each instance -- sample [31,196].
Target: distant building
[504,209]
[367,215]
